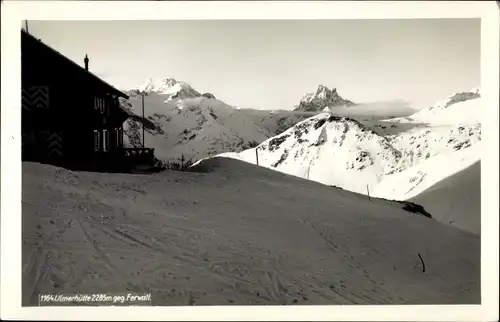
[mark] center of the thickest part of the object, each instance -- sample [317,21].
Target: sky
[272,64]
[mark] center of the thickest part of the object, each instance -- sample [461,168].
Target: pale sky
[271,64]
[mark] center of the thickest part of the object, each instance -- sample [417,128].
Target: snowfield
[327,149]
[456,200]
[231,233]
[416,179]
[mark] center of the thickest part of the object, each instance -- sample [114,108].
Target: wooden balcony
[124,159]
[139,155]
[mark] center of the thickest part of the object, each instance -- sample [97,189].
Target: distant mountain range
[180,121]
[393,158]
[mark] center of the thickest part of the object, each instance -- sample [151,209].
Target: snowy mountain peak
[457,98]
[153,85]
[451,100]
[321,98]
[324,92]
[461,107]
[169,86]
[476,90]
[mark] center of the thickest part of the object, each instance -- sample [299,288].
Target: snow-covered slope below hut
[230,233]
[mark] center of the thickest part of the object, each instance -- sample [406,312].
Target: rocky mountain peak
[169,86]
[320,99]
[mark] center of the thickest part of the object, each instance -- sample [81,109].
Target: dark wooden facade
[70,117]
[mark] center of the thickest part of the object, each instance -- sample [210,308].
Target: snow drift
[456,200]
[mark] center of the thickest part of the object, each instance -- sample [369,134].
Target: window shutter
[117,137]
[107,140]
[97,140]
[104,140]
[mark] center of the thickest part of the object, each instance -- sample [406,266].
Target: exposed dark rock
[321,98]
[208,95]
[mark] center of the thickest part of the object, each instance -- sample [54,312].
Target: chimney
[86,61]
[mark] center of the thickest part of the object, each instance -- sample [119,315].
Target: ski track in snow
[234,234]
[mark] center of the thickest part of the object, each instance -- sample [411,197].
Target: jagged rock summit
[322,98]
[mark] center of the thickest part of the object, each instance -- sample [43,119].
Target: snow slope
[395,158]
[456,200]
[467,112]
[458,108]
[442,140]
[328,149]
[417,177]
[231,233]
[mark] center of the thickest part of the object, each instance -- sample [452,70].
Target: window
[105,140]
[97,141]
[120,136]
[99,104]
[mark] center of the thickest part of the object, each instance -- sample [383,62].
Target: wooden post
[257,155]
[143,120]
[423,264]
[368,192]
